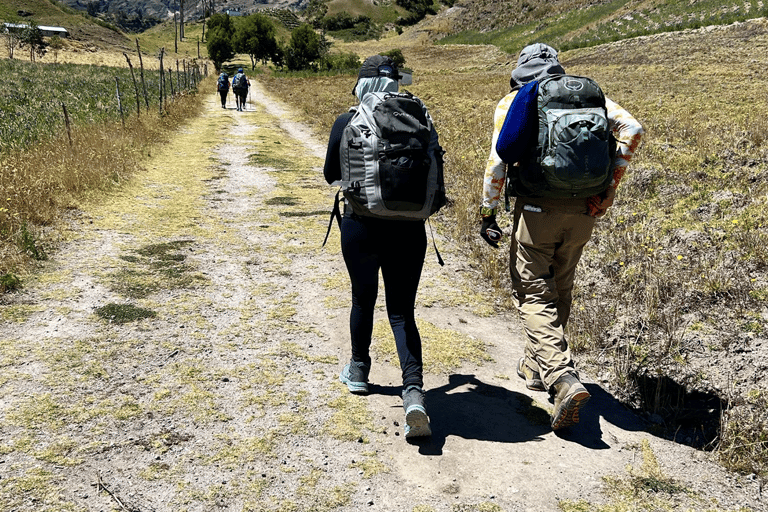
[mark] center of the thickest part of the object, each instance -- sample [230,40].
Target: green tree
[256,37]
[315,12]
[222,21]
[278,57]
[304,49]
[32,38]
[220,48]
[12,35]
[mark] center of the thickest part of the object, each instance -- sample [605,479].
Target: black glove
[490,231]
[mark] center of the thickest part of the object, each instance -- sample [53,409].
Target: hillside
[577,23]
[82,29]
[193,9]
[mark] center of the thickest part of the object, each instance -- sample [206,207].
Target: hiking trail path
[226,396]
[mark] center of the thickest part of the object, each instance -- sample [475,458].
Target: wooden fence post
[170,81]
[66,122]
[119,101]
[143,83]
[135,87]
[162,79]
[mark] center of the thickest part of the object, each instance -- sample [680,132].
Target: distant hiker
[548,165]
[240,85]
[388,135]
[222,85]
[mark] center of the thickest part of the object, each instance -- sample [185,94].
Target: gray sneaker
[416,419]
[355,376]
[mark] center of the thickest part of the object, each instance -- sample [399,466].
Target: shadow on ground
[471,409]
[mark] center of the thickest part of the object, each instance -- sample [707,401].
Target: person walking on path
[222,86]
[240,85]
[397,248]
[549,234]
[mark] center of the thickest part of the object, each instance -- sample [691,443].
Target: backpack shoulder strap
[335,214]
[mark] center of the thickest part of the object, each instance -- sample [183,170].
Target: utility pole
[181,20]
[175,34]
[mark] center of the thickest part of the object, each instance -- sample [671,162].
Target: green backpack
[574,145]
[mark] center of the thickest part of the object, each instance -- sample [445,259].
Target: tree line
[256,36]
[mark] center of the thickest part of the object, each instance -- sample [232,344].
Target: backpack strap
[335,213]
[434,244]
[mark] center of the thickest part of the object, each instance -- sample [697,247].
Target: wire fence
[42,101]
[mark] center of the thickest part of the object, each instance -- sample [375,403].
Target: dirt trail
[225,397]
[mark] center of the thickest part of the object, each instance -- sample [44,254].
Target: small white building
[233,12]
[46,30]
[53,31]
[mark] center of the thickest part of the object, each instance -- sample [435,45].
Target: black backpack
[223,83]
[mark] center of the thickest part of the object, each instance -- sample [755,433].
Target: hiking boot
[416,419]
[570,397]
[355,376]
[531,377]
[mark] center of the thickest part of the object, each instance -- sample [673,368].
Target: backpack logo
[573,85]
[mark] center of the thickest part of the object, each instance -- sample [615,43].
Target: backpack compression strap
[335,213]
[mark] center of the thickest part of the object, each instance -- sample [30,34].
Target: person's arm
[495,168]
[332,167]
[628,133]
[494,179]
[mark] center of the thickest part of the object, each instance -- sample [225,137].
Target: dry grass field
[675,281]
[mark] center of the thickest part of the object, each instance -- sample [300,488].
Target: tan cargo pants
[549,238]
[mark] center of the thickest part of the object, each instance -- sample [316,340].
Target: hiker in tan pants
[549,236]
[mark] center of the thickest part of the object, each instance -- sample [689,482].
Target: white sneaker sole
[417,422]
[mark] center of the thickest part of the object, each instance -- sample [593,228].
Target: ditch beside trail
[180,352]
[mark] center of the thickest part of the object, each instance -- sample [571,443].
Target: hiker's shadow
[469,408]
[601,405]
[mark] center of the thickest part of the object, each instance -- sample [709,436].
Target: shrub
[340,62]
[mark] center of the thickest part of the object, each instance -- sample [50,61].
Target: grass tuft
[124,313]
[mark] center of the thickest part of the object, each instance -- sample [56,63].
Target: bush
[340,21]
[397,57]
[9,282]
[340,62]
[304,49]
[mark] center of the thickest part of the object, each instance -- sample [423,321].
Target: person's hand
[490,231]
[599,204]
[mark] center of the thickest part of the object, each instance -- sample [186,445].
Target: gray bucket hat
[536,61]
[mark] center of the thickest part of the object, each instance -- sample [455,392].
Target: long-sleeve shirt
[626,129]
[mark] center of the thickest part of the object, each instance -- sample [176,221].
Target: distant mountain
[164,9]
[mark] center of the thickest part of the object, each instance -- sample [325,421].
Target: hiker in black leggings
[397,247]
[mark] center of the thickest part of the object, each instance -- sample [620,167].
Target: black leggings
[223,95]
[397,248]
[241,96]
